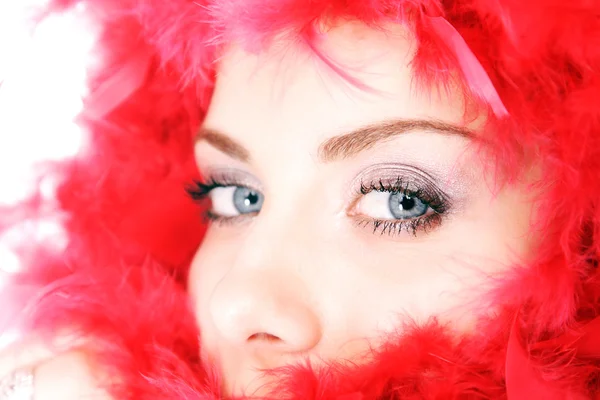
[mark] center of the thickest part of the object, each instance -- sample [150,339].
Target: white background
[42,81]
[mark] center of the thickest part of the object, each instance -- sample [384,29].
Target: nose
[264,310]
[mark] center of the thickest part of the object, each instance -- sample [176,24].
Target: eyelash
[199,192]
[438,203]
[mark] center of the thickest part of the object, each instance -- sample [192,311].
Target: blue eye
[232,201]
[247,201]
[404,206]
[386,205]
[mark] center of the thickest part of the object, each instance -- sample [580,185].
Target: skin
[307,276]
[59,371]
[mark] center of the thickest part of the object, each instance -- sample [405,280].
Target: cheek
[412,285]
[444,274]
[407,284]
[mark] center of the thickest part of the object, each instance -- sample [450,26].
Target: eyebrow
[361,139]
[342,146]
[223,143]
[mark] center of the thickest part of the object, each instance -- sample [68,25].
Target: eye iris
[246,200]
[403,206]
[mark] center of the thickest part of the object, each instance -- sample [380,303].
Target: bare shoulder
[67,375]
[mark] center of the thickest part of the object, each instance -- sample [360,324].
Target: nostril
[263,336]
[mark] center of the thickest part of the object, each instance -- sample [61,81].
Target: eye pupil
[407,203]
[251,199]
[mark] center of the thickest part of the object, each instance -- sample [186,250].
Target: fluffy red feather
[132,231]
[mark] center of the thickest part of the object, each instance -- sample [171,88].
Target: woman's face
[340,212]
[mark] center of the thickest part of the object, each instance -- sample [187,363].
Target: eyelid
[232,177]
[416,178]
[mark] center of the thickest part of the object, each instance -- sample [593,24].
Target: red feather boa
[133,231]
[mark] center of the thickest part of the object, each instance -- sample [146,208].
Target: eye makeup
[388,199]
[407,189]
[217,180]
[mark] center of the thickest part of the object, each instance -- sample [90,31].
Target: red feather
[121,279]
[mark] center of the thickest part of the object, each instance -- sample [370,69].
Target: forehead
[292,89]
